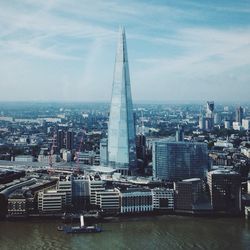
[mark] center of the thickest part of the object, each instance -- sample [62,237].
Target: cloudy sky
[61,50]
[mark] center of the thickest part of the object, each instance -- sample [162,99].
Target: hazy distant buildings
[207,122]
[179,160]
[210,109]
[64,139]
[69,140]
[60,142]
[246,123]
[227,124]
[121,128]
[179,136]
[239,115]
[24,158]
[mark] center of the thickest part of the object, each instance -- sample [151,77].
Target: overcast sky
[64,50]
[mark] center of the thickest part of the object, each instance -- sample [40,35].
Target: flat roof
[192,180]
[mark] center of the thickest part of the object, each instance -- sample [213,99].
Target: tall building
[104,152]
[225,190]
[239,114]
[60,142]
[210,109]
[175,161]
[209,120]
[69,139]
[179,136]
[121,129]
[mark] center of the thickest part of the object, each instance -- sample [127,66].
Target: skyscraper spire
[121,130]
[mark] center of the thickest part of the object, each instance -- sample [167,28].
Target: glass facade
[175,161]
[121,129]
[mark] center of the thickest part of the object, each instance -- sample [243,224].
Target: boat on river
[80,229]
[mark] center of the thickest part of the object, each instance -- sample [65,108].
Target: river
[160,232]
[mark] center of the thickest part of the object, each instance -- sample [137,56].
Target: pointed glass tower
[121,129]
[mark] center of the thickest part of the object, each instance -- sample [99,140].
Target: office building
[51,201]
[209,120]
[174,161]
[210,109]
[225,190]
[60,140]
[227,124]
[95,186]
[80,192]
[108,200]
[121,128]
[179,136]
[187,193]
[136,200]
[65,186]
[239,114]
[202,121]
[104,152]
[69,139]
[246,123]
[163,199]
[89,158]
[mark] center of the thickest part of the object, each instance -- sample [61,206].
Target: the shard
[121,129]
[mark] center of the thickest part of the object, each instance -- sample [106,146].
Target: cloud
[183,47]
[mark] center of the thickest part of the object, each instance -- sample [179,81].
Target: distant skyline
[178,50]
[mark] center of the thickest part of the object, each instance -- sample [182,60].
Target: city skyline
[52,51]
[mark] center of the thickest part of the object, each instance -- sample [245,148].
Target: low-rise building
[136,200]
[225,190]
[24,158]
[163,199]
[50,201]
[187,193]
[109,200]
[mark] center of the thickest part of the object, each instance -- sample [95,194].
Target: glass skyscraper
[121,129]
[175,161]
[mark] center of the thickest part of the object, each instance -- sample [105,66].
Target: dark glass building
[174,161]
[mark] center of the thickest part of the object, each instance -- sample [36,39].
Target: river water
[160,232]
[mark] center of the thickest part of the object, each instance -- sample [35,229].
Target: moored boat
[80,229]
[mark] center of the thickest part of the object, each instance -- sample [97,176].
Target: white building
[108,200]
[245,151]
[65,186]
[223,144]
[24,158]
[66,155]
[46,158]
[237,126]
[136,200]
[51,201]
[95,186]
[246,124]
[163,198]
[227,124]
